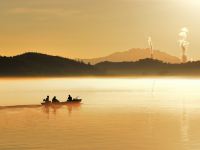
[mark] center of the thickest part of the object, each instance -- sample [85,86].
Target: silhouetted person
[54,100]
[46,100]
[69,98]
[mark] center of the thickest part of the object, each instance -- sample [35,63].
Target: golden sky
[93,28]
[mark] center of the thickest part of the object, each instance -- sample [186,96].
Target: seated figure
[69,98]
[46,100]
[54,100]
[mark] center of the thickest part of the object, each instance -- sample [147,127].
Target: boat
[74,101]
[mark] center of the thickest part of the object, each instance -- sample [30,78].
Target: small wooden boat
[74,101]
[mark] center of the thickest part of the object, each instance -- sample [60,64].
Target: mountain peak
[135,54]
[31,54]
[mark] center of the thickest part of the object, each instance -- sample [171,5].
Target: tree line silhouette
[36,64]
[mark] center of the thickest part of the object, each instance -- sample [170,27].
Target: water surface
[119,113]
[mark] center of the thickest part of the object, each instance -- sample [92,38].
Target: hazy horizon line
[60,55]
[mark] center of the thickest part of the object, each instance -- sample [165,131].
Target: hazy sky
[93,28]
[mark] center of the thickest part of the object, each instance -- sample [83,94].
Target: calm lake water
[116,114]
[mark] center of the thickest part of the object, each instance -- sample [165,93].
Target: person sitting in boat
[46,100]
[69,98]
[54,100]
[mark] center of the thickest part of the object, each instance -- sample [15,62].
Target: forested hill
[149,67]
[36,64]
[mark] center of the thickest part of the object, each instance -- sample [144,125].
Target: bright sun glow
[190,2]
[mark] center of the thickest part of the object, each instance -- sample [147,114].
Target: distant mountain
[134,55]
[36,64]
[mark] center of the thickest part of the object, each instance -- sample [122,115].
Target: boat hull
[63,103]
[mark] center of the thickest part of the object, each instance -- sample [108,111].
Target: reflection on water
[185,127]
[54,108]
[28,127]
[61,127]
[142,114]
[46,108]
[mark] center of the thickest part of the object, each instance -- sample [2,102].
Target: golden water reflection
[46,108]
[54,108]
[141,114]
[98,128]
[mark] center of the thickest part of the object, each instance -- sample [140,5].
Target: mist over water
[116,113]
